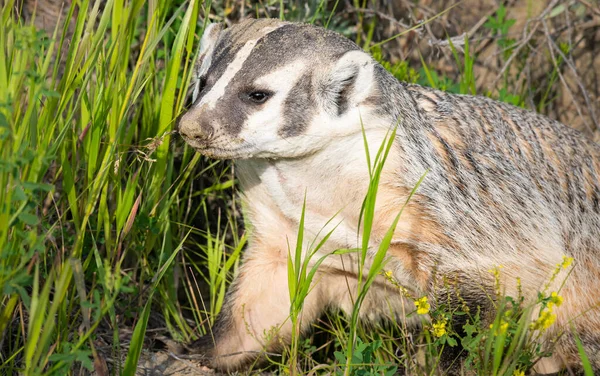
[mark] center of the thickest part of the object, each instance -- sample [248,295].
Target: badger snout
[195,130]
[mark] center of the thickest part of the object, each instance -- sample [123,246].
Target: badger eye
[258,97]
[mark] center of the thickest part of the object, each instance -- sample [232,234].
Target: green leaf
[19,194]
[469,329]
[340,357]
[32,186]
[28,218]
[451,341]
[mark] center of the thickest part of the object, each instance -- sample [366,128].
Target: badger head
[272,89]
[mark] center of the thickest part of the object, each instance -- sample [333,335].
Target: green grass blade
[585,361]
[137,339]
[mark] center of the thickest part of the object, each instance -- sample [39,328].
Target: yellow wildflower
[422,306]
[439,328]
[501,329]
[496,273]
[555,299]
[518,373]
[389,276]
[566,262]
[546,319]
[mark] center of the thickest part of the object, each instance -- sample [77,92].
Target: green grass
[105,220]
[91,191]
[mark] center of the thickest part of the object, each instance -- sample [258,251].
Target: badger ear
[209,40]
[210,37]
[347,83]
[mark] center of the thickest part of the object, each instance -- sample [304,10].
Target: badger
[294,105]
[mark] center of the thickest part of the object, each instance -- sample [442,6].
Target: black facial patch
[298,108]
[232,113]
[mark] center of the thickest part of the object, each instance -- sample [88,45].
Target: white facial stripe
[218,90]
